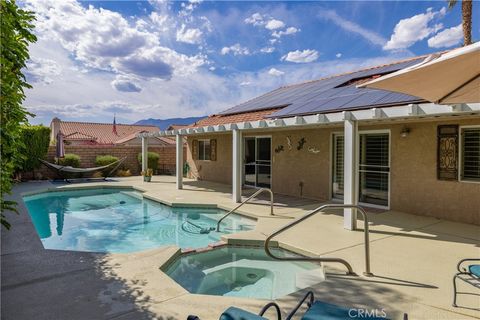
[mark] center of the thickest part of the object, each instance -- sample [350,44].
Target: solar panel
[327,94]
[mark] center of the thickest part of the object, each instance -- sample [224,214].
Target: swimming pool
[121,221]
[242,272]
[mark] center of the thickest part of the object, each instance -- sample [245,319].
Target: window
[447,152]
[203,149]
[470,165]
[337,187]
[374,168]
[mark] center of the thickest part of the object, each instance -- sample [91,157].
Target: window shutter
[195,149]
[213,150]
[471,154]
[447,152]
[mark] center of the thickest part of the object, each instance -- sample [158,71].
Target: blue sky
[158,59]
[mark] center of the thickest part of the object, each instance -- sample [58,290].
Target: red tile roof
[102,133]
[79,136]
[217,119]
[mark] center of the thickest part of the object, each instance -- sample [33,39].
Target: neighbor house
[94,133]
[89,140]
[329,140]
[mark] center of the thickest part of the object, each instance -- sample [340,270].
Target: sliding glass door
[257,162]
[373,168]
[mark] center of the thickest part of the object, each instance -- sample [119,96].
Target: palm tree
[466,19]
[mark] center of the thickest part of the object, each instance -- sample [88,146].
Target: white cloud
[256,19]
[410,30]
[288,31]
[353,27]
[447,38]
[192,36]
[126,84]
[245,83]
[274,24]
[236,50]
[275,72]
[271,24]
[304,56]
[105,40]
[267,50]
[338,55]
[40,70]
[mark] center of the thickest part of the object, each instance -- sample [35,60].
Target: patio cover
[449,78]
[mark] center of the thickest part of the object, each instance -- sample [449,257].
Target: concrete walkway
[413,259]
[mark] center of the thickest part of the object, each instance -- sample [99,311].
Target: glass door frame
[357,165]
[256,186]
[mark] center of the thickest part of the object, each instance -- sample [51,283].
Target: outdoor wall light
[405,132]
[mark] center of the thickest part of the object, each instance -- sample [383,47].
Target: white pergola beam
[350,176]
[179,161]
[398,112]
[236,166]
[144,153]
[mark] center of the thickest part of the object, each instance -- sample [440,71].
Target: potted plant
[147,175]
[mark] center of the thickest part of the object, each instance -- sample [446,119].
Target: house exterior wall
[414,187]
[219,170]
[414,184]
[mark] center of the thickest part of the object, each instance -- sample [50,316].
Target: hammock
[71,169]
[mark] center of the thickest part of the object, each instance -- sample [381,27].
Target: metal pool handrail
[245,201]
[367,272]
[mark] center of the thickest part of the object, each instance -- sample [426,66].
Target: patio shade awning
[449,78]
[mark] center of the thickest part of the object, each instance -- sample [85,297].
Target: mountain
[163,124]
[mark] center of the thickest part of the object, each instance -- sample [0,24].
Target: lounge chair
[70,169]
[470,275]
[316,310]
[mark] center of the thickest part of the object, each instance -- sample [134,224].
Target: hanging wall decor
[301,142]
[279,149]
[289,142]
[313,150]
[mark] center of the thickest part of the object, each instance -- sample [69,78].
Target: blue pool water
[243,272]
[121,220]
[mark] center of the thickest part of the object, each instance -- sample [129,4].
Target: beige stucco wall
[219,170]
[414,187]
[414,184]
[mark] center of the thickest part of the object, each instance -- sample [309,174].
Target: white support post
[179,162]
[350,173]
[144,154]
[236,166]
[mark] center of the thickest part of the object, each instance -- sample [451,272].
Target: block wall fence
[88,154]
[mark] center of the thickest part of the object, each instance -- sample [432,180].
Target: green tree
[466,19]
[15,35]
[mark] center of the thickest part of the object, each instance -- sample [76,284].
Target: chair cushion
[234,313]
[326,311]
[474,269]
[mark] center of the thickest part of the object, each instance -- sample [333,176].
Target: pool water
[121,220]
[243,272]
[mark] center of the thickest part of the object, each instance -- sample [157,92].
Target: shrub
[153,158]
[71,160]
[105,160]
[36,140]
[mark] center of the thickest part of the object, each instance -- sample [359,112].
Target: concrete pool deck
[413,259]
